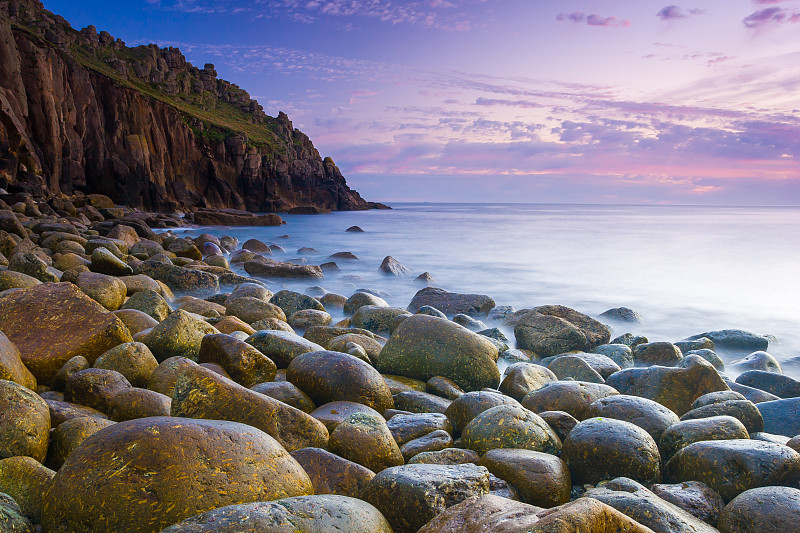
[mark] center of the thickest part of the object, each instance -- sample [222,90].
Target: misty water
[685,269]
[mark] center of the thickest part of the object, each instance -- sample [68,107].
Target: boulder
[424,346]
[331,474]
[694,497]
[407,427]
[757,361]
[248,463]
[68,435]
[11,366]
[179,278]
[392,266]
[16,280]
[53,322]
[561,422]
[762,509]
[468,406]
[604,448]
[573,397]
[149,302]
[554,329]
[622,314]
[306,318]
[731,467]
[318,514]
[657,353]
[432,442]
[25,480]
[484,514]
[647,414]
[105,262]
[166,374]
[94,387]
[134,402]
[451,303]
[201,393]
[778,384]
[735,339]
[420,402]
[781,417]
[686,432]
[334,413]
[507,426]
[378,319]
[411,495]
[541,479]
[365,439]
[334,376]
[281,346]
[242,361]
[180,334]
[24,422]
[743,410]
[287,393]
[448,456]
[108,291]
[132,359]
[522,378]
[360,299]
[251,309]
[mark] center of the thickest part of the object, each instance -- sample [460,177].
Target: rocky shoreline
[153,382]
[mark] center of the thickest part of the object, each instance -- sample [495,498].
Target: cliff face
[80,111]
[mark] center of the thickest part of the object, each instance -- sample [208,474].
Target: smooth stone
[287,393]
[24,422]
[778,384]
[508,426]
[166,374]
[25,480]
[365,439]
[334,413]
[541,479]
[694,497]
[621,314]
[647,414]
[703,343]
[379,319]
[743,410]
[133,403]
[334,376]
[731,467]
[716,397]
[94,387]
[484,514]
[657,353]
[570,367]
[405,428]
[360,299]
[448,456]
[105,262]
[754,395]
[573,397]
[604,448]
[762,509]
[432,442]
[757,361]
[136,321]
[561,422]
[466,407]
[446,388]
[281,346]
[202,393]
[420,402]
[251,310]
[710,356]
[68,435]
[61,411]
[451,303]
[180,334]
[781,417]
[132,359]
[331,474]
[371,347]
[149,302]
[11,365]
[735,339]
[424,346]
[242,361]
[409,496]
[554,329]
[522,378]
[686,432]
[248,463]
[108,291]
[10,279]
[621,354]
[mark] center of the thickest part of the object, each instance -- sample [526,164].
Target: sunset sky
[619,101]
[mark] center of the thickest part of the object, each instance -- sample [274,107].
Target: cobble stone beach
[157,378]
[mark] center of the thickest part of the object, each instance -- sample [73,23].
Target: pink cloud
[770,15]
[592,19]
[676,13]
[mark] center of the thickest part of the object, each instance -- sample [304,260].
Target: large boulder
[332,474]
[781,417]
[762,509]
[202,393]
[25,480]
[365,439]
[541,479]
[11,366]
[424,346]
[508,426]
[733,466]
[411,495]
[735,339]
[573,397]
[281,346]
[553,329]
[180,334]
[451,303]
[317,514]
[179,278]
[243,362]
[53,322]
[153,472]
[647,414]
[334,376]
[24,422]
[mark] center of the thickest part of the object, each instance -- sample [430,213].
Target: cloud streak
[673,12]
[770,16]
[592,19]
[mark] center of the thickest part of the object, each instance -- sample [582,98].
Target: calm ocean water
[686,269]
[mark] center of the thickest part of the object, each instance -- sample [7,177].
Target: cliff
[81,111]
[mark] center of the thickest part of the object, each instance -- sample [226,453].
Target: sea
[684,269]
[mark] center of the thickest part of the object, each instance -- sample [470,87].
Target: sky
[568,101]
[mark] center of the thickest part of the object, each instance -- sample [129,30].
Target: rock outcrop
[82,112]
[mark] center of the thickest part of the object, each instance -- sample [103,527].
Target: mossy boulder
[180,334]
[292,302]
[244,363]
[67,436]
[371,346]
[647,414]
[364,439]
[149,302]
[554,329]
[466,407]
[508,426]
[334,413]
[132,359]
[604,448]
[379,319]
[731,467]
[333,376]
[407,427]
[251,309]
[281,346]
[108,291]
[202,393]
[360,299]
[306,318]
[11,365]
[424,346]
[133,403]
[762,509]
[136,320]
[26,480]
[541,479]
[24,422]
[53,322]
[301,514]
[192,466]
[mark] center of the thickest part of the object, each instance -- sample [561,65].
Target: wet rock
[331,474]
[334,376]
[686,432]
[573,397]
[754,395]
[360,299]
[647,414]
[405,428]
[434,441]
[166,374]
[281,346]
[16,280]
[32,265]
[287,393]
[777,384]
[292,302]
[629,339]
[274,324]
[468,406]
[392,266]
[334,413]
[24,422]
[430,310]
[446,388]
[378,319]
[694,497]
[571,367]
[425,346]
[451,303]
[365,439]
[554,329]
[133,360]
[409,496]
[105,262]
[251,309]
[604,448]
[25,480]
[201,393]
[268,268]
[716,397]
[781,417]
[150,303]
[179,278]
[244,363]
[94,387]
[372,348]
[180,334]
[61,411]
[11,366]
[731,467]
[507,426]
[51,323]
[522,378]
[639,503]
[736,339]
[762,509]
[621,314]
[483,514]
[757,361]
[250,464]
[420,402]
[657,353]
[561,422]
[306,318]
[68,435]
[743,410]
[229,324]
[76,364]
[673,387]
[703,343]
[190,304]
[540,479]
[448,456]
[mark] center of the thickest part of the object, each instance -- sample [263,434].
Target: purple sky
[511,100]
